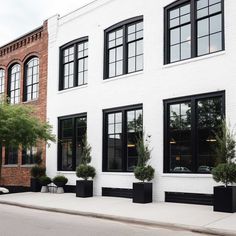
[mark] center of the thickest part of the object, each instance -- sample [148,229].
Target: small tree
[225,171]
[143,171]
[20,127]
[84,170]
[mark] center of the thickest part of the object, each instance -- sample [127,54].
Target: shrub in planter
[142,191]
[84,188]
[60,181]
[225,171]
[44,180]
[36,172]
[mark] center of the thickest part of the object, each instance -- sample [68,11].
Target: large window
[2,81]
[71,133]
[193,28]
[124,48]
[122,128]
[11,155]
[74,64]
[191,124]
[31,82]
[14,84]
[30,156]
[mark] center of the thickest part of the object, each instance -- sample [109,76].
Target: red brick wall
[34,43]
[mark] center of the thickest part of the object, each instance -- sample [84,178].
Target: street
[17,221]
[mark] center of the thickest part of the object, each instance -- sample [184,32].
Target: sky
[18,17]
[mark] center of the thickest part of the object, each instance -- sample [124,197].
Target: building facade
[118,68]
[23,78]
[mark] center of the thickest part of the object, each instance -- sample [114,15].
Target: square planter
[35,185]
[142,192]
[84,188]
[225,199]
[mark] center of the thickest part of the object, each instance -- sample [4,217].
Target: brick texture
[19,51]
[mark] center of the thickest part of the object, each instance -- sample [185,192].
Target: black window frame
[32,157]
[73,44]
[15,155]
[9,90]
[2,82]
[124,26]
[192,99]
[59,147]
[193,24]
[25,83]
[123,110]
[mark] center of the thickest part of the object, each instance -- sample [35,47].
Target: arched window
[2,78]
[14,84]
[31,82]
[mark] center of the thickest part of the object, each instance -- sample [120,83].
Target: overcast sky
[18,17]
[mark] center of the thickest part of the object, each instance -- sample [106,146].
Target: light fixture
[172,141]
[130,145]
[211,139]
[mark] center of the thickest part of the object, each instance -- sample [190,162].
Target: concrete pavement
[196,218]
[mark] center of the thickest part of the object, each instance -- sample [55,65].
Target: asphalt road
[17,221]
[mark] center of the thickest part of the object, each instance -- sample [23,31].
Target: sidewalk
[191,217]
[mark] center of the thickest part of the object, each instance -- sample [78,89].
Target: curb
[123,219]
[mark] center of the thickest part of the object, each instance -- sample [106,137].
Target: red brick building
[23,78]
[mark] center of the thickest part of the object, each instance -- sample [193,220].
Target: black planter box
[225,199]
[84,188]
[35,185]
[142,192]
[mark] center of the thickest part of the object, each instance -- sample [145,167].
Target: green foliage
[60,180]
[85,171]
[37,171]
[45,180]
[225,148]
[143,171]
[86,152]
[20,127]
[225,173]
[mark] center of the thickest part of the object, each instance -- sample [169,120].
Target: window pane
[139,63]
[215,42]
[112,70]
[215,8]
[175,36]
[175,53]
[185,50]
[202,3]
[203,45]
[203,27]
[174,13]
[203,12]
[185,33]
[215,24]
[119,68]
[131,64]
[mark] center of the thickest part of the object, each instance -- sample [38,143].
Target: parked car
[204,169]
[181,169]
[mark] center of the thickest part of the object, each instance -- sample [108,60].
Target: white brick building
[181,83]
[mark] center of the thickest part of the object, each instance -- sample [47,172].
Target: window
[30,156]
[74,64]
[193,28]
[2,81]
[14,84]
[71,133]
[11,155]
[190,127]
[122,127]
[124,48]
[31,82]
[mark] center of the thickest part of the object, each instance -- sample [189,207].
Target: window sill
[66,172]
[31,101]
[27,165]
[123,76]
[194,59]
[72,89]
[10,166]
[118,173]
[194,175]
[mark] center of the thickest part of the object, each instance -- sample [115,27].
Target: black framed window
[14,84]
[72,130]
[193,28]
[190,127]
[11,155]
[124,48]
[74,64]
[31,81]
[122,127]
[2,81]
[29,156]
